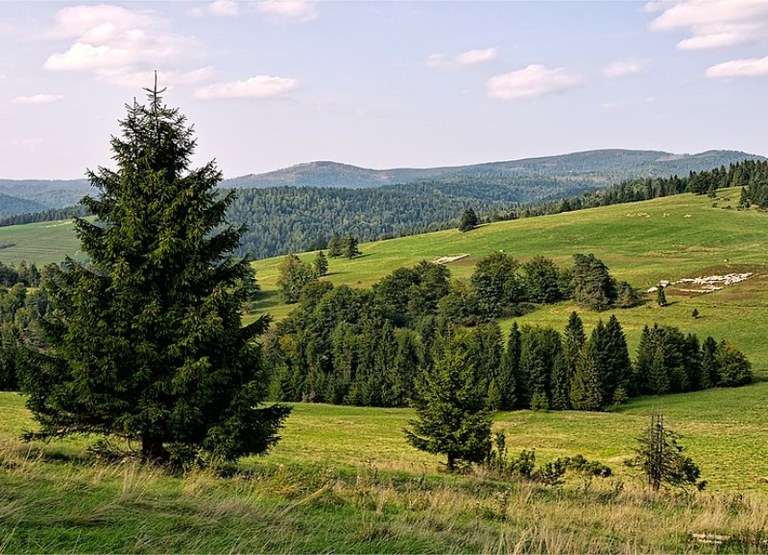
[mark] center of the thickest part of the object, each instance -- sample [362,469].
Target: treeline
[367,347]
[22,305]
[288,219]
[750,174]
[50,215]
[21,311]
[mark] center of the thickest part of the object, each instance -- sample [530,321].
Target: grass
[40,243]
[343,479]
[642,243]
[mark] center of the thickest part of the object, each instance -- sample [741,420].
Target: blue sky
[383,84]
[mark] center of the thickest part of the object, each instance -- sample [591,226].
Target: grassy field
[642,243]
[344,479]
[40,243]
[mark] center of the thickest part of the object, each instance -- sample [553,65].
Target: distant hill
[36,195]
[10,205]
[520,181]
[595,167]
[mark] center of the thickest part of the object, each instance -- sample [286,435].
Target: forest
[288,219]
[372,347]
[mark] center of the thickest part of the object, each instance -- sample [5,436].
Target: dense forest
[288,219]
[370,347]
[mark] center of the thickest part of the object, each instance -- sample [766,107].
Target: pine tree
[453,418]
[335,246]
[469,220]
[350,249]
[321,264]
[146,342]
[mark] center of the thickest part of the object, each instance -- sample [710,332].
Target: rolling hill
[595,167]
[682,236]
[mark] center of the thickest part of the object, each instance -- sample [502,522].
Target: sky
[382,85]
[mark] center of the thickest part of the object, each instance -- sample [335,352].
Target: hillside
[637,241]
[662,239]
[344,479]
[595,167]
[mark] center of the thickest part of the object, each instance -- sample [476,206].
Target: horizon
[395,168]
[382,85]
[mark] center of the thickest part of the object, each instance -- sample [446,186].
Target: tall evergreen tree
[146,341]
[616,363]
[320,264]
[509,372]
[574,339]
[591,283]
[335,246]
[452,414]
[350,246]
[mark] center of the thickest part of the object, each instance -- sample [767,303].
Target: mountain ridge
[564,174]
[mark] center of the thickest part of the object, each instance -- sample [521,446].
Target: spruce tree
[469,220]
[320,264]
[509,372]
[145,342]
[336,246]
[350,249]
[453,418]
[574,339]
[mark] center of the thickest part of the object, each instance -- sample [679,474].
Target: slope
[662,239]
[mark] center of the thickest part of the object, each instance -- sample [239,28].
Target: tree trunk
[451,462]
[152,450]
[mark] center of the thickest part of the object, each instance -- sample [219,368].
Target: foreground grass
[343,479]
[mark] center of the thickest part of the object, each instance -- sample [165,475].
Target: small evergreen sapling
[661,459]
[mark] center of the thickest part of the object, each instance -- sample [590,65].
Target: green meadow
[683,236]
[343,479]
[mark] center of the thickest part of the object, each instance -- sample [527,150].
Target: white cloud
[752,67]
[620,68]
[288,10]
[114,43]
[531,82]
[37,99]
[713,23]
[225,8]
[463,59]
[472,57]
[259,87]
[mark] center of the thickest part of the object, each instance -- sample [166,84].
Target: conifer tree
[453,418]
[509,372]
[617,366]
[321,264]
[350,249]
[469,220]
[574,339]
[335,246]
[145,341]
